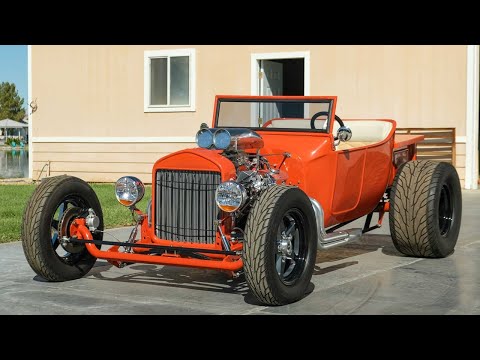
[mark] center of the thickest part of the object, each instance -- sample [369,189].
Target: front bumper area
[156,254]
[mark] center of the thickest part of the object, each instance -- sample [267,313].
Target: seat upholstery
[364,132]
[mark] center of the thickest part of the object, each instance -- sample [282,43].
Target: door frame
[472,118]
[255,67]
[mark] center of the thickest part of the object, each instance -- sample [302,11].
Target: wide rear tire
[280,246]
[425,209]
[56,201]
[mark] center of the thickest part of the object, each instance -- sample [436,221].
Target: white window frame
[152,54]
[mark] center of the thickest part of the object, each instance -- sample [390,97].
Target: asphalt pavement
[366,277]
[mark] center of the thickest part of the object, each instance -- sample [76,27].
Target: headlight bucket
[204,138]
[222,139]
[230,196]
[129,190]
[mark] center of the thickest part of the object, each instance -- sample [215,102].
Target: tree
[11,104]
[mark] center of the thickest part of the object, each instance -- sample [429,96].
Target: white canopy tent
[11,124]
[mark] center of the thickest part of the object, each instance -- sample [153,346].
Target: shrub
[10,140]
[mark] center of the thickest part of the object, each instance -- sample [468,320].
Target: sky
[13,68]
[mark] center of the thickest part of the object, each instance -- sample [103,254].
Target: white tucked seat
[364,133]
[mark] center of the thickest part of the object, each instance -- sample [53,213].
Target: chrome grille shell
[185,209]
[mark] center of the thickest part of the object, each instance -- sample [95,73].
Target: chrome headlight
[204,138]
[230,196]
[129,190]
[222,139]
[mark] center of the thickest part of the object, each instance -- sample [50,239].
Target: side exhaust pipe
[336,238]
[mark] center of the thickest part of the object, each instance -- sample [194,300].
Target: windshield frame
[307,99]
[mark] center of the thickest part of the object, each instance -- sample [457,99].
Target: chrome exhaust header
[336,238]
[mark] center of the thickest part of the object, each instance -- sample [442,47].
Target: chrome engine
[255,175]
[254,172]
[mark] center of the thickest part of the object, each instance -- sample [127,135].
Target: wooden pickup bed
[438,143]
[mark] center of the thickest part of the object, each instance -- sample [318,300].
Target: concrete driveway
[367,277]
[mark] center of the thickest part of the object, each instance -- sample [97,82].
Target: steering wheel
[320,113]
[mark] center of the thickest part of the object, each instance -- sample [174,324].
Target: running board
[336,238]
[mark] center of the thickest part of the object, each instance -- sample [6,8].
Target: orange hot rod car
[271,182]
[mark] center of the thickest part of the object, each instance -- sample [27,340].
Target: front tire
[280,246]
[425,209]
[48,213]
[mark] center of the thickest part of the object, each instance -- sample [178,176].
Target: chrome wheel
[68,210]
[52,208]
[291,247]
[280,245]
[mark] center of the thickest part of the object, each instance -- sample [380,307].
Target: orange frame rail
[79,229]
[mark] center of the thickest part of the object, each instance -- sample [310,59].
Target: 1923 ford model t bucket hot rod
[272,181]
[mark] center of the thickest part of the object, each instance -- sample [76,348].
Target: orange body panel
[347,183]
[402,140]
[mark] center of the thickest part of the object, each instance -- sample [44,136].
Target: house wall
[91,123]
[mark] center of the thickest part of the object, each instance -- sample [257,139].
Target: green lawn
[14,197]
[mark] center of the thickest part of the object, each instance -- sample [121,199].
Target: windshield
[274,114]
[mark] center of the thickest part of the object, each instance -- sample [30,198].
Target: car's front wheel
[280,246]
[55,203]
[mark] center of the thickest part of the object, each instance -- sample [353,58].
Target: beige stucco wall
[97,91]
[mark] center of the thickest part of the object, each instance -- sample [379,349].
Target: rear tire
[280,246]
[425,209]
[49,206]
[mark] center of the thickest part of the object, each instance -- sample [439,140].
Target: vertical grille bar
[185,203]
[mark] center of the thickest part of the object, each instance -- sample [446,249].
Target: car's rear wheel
[426,209]
[55,203]
[280,246]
